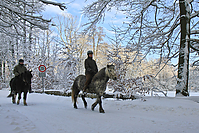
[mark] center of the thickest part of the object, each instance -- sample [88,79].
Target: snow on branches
[17,14]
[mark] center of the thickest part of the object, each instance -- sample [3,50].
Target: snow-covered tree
[151,26]
[19,21]
[12,12]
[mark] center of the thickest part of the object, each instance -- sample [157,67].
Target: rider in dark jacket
[91,69]
[18,69]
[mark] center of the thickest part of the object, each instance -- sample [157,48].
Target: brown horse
[97,86]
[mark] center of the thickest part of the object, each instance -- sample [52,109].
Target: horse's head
[26,76]
[110,71]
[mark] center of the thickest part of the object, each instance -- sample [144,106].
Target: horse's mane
[100,75]
[26,73]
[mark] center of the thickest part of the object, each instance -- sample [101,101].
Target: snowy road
[55,114]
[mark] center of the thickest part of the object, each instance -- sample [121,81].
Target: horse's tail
[75,90]
[11,88]
[77,86]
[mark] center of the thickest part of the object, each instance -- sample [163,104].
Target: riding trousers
[88,81]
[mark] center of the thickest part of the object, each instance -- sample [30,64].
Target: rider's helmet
[89,52]
[21,60]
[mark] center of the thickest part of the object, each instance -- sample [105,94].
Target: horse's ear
[108,66]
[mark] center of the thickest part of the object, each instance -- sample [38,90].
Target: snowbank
[55,114]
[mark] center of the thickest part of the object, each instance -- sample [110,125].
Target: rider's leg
[88,81]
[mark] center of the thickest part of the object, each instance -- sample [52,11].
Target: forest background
[142,45]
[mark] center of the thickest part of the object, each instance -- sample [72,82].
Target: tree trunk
[24,36]
[4,71]
[183,64]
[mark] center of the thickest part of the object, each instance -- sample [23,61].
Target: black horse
[19,84]
[97,86]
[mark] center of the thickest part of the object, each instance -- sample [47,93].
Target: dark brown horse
[97,86]
[21,83]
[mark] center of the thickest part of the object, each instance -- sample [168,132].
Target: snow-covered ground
[55,114]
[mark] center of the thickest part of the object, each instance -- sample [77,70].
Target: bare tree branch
[61,5]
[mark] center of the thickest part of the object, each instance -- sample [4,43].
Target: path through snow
[55,114]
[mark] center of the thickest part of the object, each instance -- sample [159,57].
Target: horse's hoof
[92,108]
[25,103]
[101,111]
[85,106]
[13,101]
